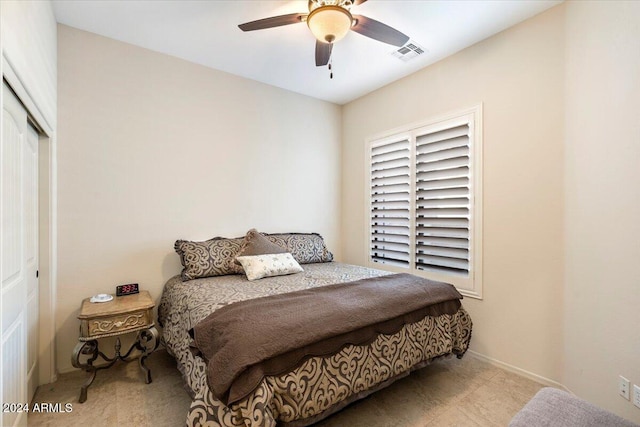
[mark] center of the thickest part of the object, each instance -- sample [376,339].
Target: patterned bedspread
[320,385]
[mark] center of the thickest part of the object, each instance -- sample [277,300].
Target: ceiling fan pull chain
[330,70]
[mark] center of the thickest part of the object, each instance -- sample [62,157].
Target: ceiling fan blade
[357,2]
[323,53]
[274,21]
[378,31]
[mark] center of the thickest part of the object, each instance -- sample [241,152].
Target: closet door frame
[47,224]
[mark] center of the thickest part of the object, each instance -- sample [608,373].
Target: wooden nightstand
[122,315]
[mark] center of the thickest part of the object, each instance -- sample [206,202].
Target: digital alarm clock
[129,289]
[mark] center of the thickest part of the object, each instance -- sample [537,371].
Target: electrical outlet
[636,395]
[623,387]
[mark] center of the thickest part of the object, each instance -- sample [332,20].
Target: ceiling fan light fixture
[329,23]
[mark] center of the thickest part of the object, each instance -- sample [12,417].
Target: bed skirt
[320,386]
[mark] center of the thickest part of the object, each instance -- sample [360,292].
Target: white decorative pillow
[259,266]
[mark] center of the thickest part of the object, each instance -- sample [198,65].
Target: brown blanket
[247,340]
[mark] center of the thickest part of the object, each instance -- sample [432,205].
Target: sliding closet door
[30,162]
[16,256]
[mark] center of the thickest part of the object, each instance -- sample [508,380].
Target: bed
[317,385]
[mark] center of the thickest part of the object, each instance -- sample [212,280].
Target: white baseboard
[519,371]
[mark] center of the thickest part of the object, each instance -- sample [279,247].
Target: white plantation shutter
[390,207]
[425,205]
[442,208]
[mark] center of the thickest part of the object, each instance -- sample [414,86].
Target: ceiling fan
[330,21]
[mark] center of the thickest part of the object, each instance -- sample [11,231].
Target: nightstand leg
[144,338]
[87,348]
[146,370]
[85,386]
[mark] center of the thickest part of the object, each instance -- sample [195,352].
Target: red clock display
[131,288]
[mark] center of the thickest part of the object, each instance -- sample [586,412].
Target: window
[391,202]
[425,206]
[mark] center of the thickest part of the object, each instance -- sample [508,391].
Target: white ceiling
[206,32]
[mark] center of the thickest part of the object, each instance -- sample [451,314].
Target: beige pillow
[259,266]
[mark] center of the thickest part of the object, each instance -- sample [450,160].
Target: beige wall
[518,75]
[561,96]
[153,149]
[602,217]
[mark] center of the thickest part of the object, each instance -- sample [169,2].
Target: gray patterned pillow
[306,248]
[257,244]
[215,257]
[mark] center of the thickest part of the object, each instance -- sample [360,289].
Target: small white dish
[101,298]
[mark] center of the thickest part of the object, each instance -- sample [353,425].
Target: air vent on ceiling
[409,51]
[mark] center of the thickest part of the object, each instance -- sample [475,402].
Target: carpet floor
[451,392]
